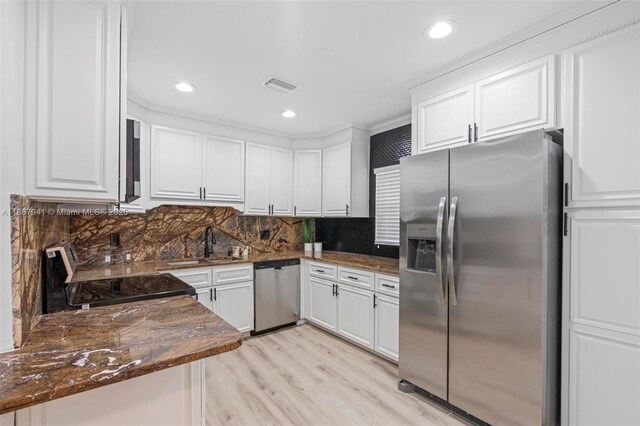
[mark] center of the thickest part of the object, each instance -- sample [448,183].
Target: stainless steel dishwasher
[276,294]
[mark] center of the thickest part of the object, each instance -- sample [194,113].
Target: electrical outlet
[265,235]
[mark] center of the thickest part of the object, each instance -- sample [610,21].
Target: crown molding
[558,20]
[392,123]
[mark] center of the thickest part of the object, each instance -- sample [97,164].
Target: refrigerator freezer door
[496,328]
[423,305]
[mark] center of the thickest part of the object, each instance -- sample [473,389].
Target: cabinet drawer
[388,284]
[323,270]
[232,274]
[197,278]
[356,277]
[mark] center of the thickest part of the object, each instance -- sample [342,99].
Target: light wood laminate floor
[304,376]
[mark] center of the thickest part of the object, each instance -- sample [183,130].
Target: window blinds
[387,205]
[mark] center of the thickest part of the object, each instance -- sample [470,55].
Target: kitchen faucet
[209,238]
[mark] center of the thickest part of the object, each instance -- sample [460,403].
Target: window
[388,205]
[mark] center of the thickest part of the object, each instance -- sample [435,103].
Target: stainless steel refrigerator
[480,276]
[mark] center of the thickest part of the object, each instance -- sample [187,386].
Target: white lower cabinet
[387,317]
[225,290]
[323,305]
[234,304]
[351,309]
[355,314]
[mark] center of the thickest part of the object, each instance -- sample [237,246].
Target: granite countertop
[371,263]
[75,351]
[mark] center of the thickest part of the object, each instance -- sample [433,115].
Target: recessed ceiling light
[185,87]
[440,29]
[288,114]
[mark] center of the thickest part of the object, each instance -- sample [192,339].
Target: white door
[446,120]
[307,183]
[222,170]
[281,182]
[205,297]
[234,304]
[258,176]
[175,164]
[517,100]
[355,315]
[604,317]
[73,114]
[387,326]
[323,304]
[336,180]
[601,132]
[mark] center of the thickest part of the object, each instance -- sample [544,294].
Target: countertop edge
[25,402]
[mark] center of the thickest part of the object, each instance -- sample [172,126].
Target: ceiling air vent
[279,85]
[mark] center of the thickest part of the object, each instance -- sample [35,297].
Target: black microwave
[132,164]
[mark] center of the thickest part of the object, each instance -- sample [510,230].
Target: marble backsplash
[33,229]
[177,232]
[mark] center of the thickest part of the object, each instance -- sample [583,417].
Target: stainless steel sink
[183,262]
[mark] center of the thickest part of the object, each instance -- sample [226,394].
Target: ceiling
[226,49]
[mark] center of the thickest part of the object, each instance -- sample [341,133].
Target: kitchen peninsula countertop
[75,351]
[371,263]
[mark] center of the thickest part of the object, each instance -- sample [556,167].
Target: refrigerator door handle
[450,238]
[439,264]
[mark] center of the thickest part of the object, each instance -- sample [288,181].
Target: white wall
[12,24]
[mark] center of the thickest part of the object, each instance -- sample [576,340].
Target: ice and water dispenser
[421,248]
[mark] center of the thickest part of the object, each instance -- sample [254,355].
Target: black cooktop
[89,294]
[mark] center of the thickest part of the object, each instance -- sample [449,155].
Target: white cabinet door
[604,377]
[234,304]
[323,304]
[601,131]
[175,164]
[605,272]
[258,176]
[281,182]
[73,99]
[387,326]
[222,170]
[516,100]
[355,315]
[446,120]
[204,295]
[307,183]
[336,180]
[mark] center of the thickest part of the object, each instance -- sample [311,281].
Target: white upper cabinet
[307,183]
[510,102]
[345,180]
[269,181]
[222,170]
[446,120]
[281,182]
[258,175]
[516,100]
[601,133]
[175,164]
[336,171]
[192,168]
[73,99]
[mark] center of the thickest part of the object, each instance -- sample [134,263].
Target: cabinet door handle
[353,278]
[201,193]
[469,138]
[475,132]
[211,294]
[337,288]
[295,210]
[374,301]
[204,193]
[333,289]
[215,294]
[347,209]
[388,285]
[320,270]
